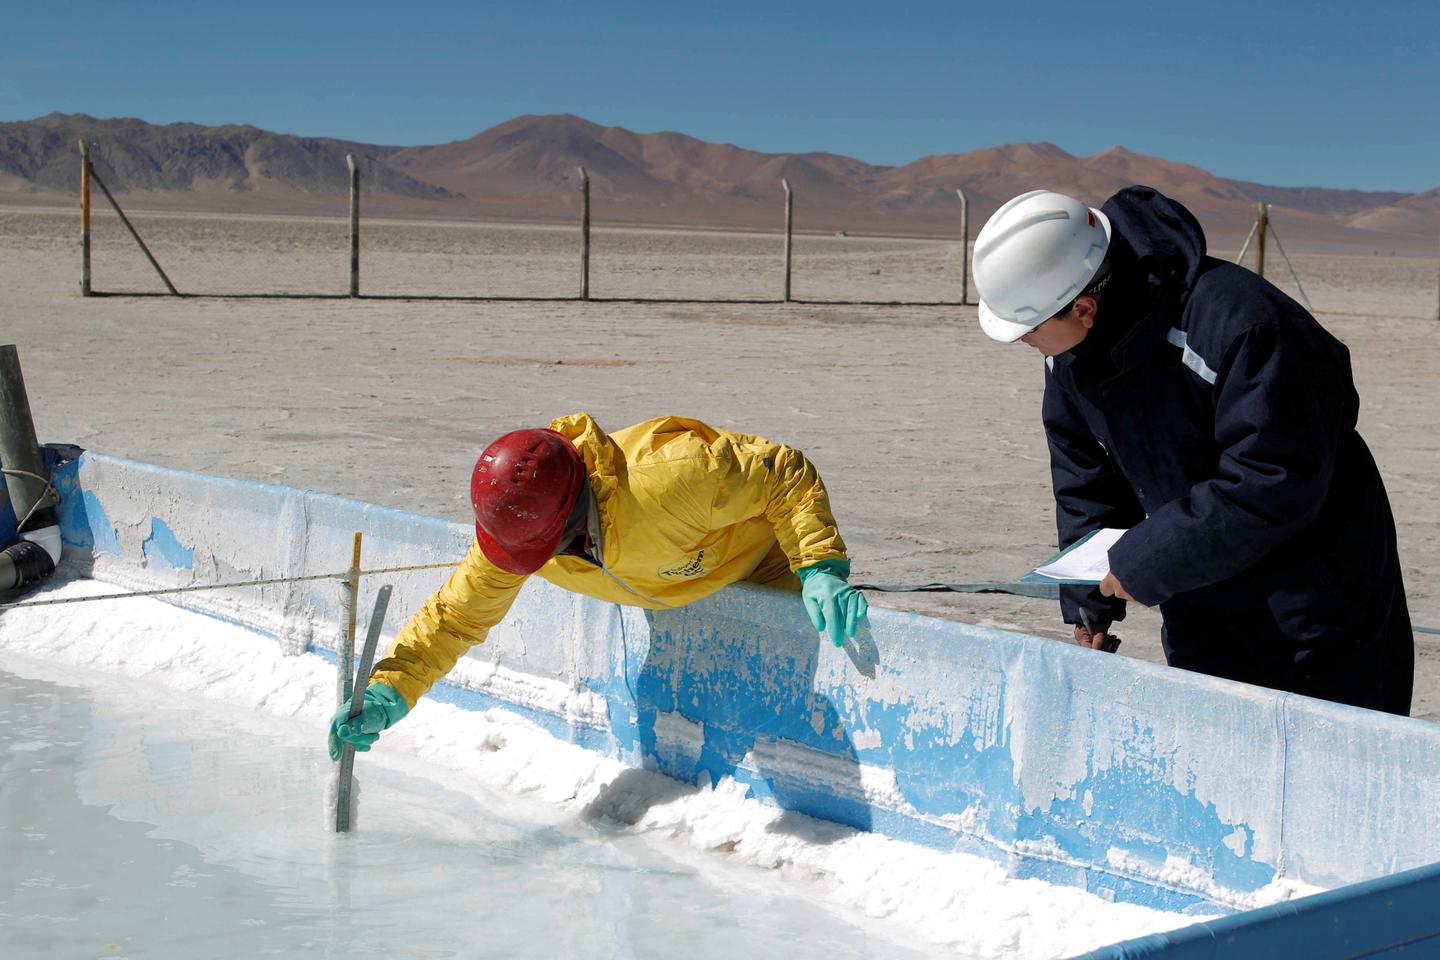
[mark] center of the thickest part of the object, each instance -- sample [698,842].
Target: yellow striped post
[349,597]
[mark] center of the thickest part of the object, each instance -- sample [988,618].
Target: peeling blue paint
[740,686]
[163,547]
[1159,820]
[101,533]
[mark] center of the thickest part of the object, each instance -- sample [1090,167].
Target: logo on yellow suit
[690,568]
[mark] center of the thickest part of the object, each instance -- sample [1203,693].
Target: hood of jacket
[1165,238]
[1157,249]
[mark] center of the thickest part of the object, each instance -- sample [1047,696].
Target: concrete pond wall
[1134,781]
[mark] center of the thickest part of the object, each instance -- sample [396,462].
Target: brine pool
[163,787]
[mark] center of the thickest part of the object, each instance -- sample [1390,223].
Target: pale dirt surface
[927,434]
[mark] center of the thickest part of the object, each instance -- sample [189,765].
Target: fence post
[1262,222]
[84,218]
[964,248]
[354,225]
[1437,294]
[584,235]
[789,223]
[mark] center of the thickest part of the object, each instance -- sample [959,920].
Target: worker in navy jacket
[1193,404]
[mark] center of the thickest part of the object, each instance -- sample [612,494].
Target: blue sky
[1324,93]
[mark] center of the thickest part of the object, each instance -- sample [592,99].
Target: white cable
[1248,237]
[1293,275]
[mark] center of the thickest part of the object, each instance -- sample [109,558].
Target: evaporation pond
[137,821]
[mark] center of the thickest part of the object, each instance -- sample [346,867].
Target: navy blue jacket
[1214,418]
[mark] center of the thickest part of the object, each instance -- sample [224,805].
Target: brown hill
[1416,214]
[132,155]
[992,176]
[1324,200]
[655,176]
[531,164]
[527,168]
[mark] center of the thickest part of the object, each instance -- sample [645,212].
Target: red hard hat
[523,488]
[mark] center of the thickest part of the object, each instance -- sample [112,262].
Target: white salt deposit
[705,867]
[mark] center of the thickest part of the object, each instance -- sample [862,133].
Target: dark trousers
[1375,671]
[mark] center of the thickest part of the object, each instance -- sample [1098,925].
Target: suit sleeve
[456,617]
[1280,411]
[759,478]
[1090,494]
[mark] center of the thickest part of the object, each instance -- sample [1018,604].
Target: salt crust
[955,900]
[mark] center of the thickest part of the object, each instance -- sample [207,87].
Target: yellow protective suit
[683,509]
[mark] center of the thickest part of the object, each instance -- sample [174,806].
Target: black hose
[24,563]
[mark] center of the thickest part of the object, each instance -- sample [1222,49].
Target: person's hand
[1111,587]
[1096,638]
[835,607]
[382,707]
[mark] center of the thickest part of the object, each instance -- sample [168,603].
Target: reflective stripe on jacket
[683,508]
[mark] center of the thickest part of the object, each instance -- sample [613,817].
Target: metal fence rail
[339,256]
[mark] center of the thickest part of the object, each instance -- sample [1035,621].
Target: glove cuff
[389,700]
[836,568]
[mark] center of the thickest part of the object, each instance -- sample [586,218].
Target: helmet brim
[999,329]
[520,562]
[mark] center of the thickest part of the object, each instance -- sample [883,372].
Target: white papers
[1087,561]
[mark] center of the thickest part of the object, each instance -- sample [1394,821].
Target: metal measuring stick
[357,700]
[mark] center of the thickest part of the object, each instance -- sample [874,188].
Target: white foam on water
[705,869]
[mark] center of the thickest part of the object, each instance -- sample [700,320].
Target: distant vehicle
[841,233]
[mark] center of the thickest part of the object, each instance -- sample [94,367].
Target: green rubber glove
[835,607]
[382,708]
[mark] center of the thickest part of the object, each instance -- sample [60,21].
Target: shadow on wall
[717,696]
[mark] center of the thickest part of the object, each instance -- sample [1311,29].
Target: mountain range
[527,169]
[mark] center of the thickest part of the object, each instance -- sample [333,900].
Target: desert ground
[927,434]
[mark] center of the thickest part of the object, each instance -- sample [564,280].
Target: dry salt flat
[927,434]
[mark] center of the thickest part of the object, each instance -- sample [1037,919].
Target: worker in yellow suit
[656,515]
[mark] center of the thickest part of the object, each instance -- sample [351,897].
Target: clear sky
[1293,94]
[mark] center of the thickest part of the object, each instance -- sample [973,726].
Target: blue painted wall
[1137,782]
[1393,917]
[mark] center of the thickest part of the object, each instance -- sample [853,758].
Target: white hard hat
[1033,257]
